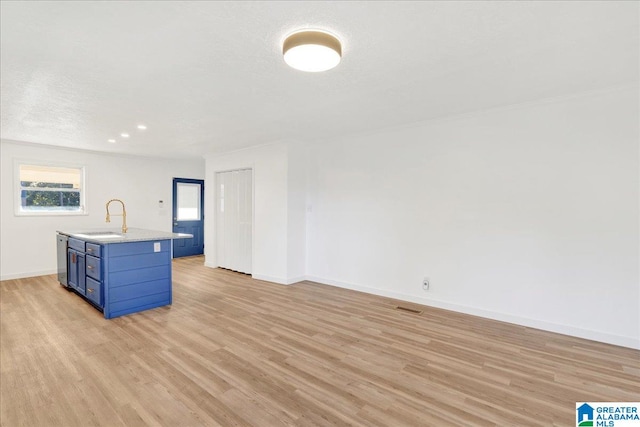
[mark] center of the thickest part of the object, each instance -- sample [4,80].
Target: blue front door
[188,216]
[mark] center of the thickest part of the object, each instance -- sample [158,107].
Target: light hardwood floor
[236,351]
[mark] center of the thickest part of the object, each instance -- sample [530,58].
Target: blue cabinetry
[121,278]
[76,271]
[94,291]
[93,267]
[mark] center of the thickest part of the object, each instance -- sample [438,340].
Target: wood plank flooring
[233,351]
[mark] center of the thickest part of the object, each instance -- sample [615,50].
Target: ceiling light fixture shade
[312,50]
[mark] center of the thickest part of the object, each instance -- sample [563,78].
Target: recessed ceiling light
[312,50]
[142,127]
[113,141]
[124,135]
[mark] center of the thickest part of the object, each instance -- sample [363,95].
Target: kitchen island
[119,273]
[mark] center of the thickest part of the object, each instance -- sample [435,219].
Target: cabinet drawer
[93,249]
[77,244]
[93,267]
[94,291]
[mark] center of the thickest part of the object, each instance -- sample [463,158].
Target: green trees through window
[49,194]
[51,189]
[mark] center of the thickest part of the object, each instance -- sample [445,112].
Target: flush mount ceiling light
[312,50]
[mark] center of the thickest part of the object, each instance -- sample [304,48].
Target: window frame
[17,188]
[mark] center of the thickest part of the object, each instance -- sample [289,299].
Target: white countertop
[115,235]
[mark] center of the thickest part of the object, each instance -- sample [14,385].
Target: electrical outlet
[425,284]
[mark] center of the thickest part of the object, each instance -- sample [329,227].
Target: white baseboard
[296,280]
[29,274]
[278,280]
[503,317]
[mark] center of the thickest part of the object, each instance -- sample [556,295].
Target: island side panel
[137,276]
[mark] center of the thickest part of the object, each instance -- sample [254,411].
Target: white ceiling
[209,76]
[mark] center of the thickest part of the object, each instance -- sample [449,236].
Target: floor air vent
[408,310]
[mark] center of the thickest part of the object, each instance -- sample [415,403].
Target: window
[188,202]
[49,190]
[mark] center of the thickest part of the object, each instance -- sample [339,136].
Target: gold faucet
[124,214]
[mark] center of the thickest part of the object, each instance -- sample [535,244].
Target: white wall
[269,164]
[28,244]
[528,214]
[279,175]
[296,212]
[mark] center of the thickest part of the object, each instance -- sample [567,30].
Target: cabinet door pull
[90,250]
[90,290]
[89,267]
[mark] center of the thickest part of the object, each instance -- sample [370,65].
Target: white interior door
[234,218]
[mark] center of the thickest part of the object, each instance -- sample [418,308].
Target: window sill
[49,213]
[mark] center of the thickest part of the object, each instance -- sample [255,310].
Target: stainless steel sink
[100,235]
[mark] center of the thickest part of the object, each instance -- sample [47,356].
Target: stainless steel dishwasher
[63,243]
